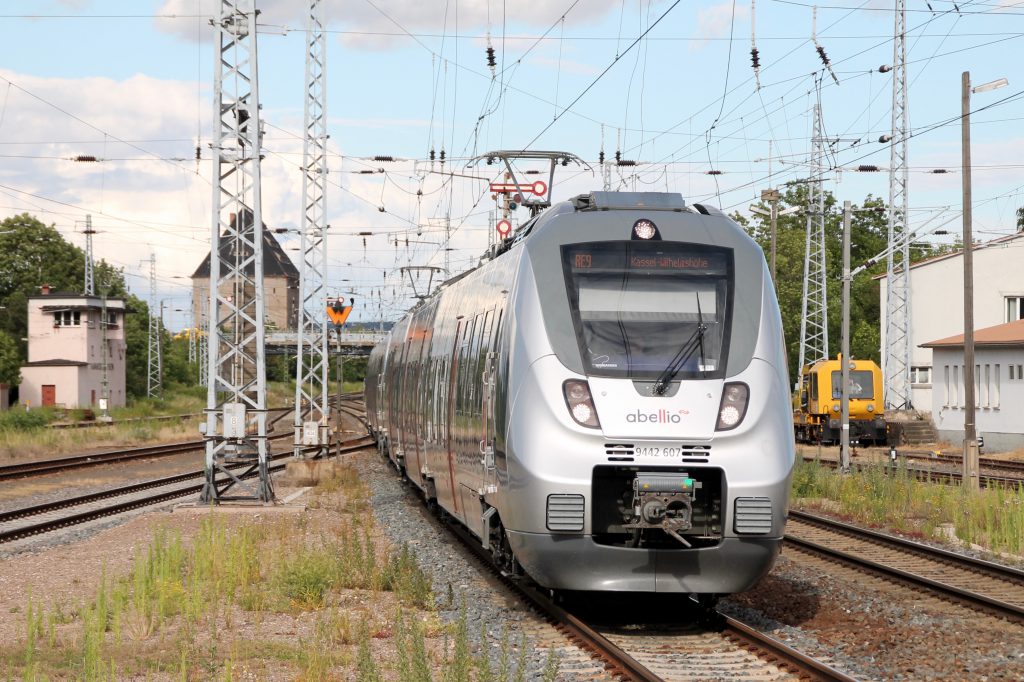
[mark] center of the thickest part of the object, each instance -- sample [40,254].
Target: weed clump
[885,496]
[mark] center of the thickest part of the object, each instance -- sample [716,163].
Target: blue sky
[130,82]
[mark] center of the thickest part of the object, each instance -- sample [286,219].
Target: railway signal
[338,312]
[537,189]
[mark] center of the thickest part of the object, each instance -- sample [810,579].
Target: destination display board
[642,258]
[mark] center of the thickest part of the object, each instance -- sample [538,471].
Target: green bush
[24,420]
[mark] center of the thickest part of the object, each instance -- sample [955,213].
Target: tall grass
[25,433]
[172,613]
[882,496]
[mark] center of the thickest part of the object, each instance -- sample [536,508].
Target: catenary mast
[236,404]
[312,413]
[896,343]
[814,314]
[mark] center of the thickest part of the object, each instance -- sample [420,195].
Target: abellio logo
[659,417]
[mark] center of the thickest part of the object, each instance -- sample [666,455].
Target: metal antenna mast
[236,402]
[153,380]
[814,318]
[90,289]
[896,344]
[312,412]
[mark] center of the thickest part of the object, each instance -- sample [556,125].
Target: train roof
[646,201]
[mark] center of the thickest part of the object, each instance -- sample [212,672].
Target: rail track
[982,585]
[992,464]
[167,488]
[946,476]
[56,465]
[709,645]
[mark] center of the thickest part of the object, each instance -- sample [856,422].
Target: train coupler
[663,501]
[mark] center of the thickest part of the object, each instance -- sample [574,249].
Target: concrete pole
[775,223]
[970,472]
[844,436]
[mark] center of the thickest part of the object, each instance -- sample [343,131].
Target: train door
[414,468]
[488,351]
[449,491]
[401,389]
[467,444]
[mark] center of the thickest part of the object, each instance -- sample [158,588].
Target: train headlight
[733,406]
[645,229]
[871,408]
[580,403]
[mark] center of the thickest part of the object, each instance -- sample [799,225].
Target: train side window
[462,392]
[474,364]
[485,344]
[480,347]
[814,387]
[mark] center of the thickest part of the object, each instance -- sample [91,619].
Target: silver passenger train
[604,401]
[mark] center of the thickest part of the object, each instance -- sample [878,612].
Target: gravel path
[486,604]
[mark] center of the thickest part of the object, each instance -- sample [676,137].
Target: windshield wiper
[695,342]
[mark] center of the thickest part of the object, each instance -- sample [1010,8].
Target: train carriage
[603,402]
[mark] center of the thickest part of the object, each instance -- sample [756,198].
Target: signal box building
[936,304]
[67,334]
[280,284]
[998,386]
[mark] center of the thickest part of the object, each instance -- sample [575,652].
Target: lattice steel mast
[236,404]
[202,328]
[814,317]
[312,412]
[154,382]
[896,344]
[90,287]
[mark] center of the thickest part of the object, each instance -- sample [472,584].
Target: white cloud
[716,21]
[385,17]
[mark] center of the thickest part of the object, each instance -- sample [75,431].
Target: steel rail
[803,664]
[132,420]
[50,466]
[616,659]
[82,517]
[971,597]
[24,469]
[937,476]
[957,460]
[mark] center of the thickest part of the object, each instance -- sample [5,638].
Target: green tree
[868,238]
[177,368]
[10,360]
[1020,218]
[32,254]
[136,338]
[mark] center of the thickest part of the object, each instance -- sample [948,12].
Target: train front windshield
[862,385]
[639,307]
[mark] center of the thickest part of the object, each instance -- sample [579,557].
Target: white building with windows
[998,386]
[937,302]
[74,343]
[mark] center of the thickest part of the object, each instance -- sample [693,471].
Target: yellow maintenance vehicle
[817,406]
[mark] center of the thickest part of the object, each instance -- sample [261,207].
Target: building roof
[980,246]
[276,262]
[82,302]
[60,307]
[1007,335]
[56,362]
